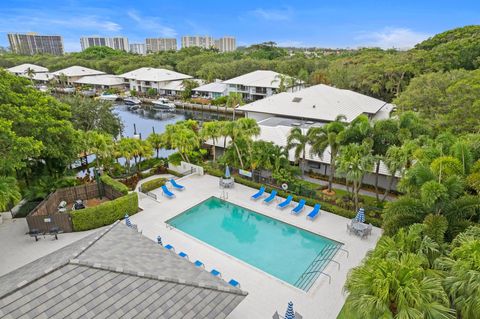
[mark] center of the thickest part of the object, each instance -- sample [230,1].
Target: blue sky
[336,24]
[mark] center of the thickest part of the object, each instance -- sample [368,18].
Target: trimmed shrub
[153,184]
[107,180]
[105,213]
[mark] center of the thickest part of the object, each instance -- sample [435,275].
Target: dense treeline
[443,65]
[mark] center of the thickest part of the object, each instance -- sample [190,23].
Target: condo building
[32,43]
[160,44]
[116,43]
[138,48]
[205,42]
[226,44]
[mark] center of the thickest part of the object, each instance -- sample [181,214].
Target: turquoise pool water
[280,249]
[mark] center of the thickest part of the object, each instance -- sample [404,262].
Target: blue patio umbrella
[227,172]
[290,314]
[127,221]
[159,240]
[360,216]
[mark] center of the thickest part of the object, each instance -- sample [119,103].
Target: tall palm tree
[157,142]
[354,162]
[99,144]
[30,74]
[126,148]
[396,161]
[242,130]
[327,136]
[298,141]
[9,192]
[211,130]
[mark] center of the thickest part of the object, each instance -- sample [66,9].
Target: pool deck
[266,294]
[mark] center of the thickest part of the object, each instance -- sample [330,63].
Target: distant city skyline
[343,24]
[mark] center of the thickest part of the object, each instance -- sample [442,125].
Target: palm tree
[157,142]
[126,148]
[396,161]
[211,130]
[99,144]
[327,136]
[242,130]
[298,141]
[384,135]
[354,162]
[30,74]
[9,192]
[396,281]
[63,79]
[462,282]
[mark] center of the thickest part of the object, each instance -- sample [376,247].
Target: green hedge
[107,180]
[153,184]
[105,213]
[310,201]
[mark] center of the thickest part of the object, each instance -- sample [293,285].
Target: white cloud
[399,38]
[151,24]
[273,14]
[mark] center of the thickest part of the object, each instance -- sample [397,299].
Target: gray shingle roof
[115,273]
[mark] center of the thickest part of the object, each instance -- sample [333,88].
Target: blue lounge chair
[216,273]
[183,255]
[198,263]
[176,186]
[315,212]
[286,202]
[234,283]
[259,193]
[167,192]
[300,206]
[169,247]
[270,198]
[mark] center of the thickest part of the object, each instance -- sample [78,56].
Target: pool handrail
[286,202]
[299,208]
[258,194]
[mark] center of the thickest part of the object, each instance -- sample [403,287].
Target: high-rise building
[226,44]
[138,48]
[198,41]
[32,43]
[161,44]
[116,43]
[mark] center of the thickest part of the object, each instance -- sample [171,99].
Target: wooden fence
[46,216]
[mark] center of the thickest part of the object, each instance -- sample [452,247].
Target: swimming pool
[289,253]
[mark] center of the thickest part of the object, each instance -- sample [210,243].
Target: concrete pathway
[341,186]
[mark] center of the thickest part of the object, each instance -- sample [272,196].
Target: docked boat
[163,104]
[132,100]
[108,97]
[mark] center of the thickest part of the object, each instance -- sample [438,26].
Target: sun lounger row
[296,211]
[198,263]
[166,192]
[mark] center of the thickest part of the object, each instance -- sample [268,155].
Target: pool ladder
[314,270]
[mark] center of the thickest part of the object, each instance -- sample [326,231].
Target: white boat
[108,97]
[163,104]
[132,100]
[43,88]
